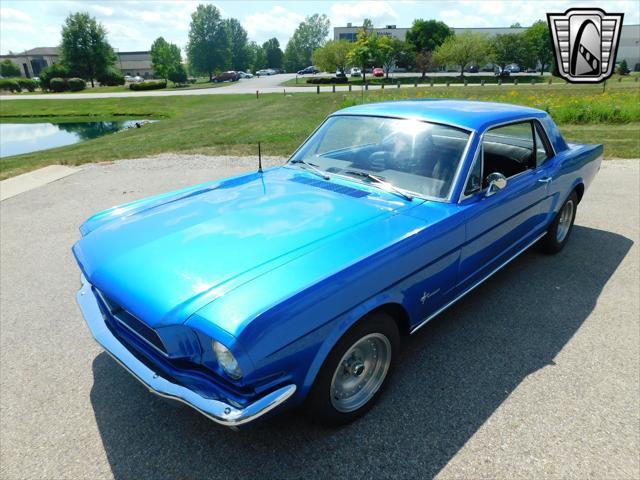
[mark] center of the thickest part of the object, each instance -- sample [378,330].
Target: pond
[17,138]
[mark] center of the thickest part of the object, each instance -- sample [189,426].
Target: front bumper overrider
[216,410]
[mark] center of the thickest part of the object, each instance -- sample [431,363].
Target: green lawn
[233,124]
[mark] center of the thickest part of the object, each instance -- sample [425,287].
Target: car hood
[165,258]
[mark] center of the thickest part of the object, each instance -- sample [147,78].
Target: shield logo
[585,43]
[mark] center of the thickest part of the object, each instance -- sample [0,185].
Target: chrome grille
[131,323]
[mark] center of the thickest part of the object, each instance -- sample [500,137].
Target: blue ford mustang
[294,285]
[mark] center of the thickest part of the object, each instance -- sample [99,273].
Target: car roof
[467,114]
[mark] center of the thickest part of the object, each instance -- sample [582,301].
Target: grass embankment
[233,124]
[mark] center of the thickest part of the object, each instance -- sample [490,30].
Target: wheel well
[579,191]
[398,313]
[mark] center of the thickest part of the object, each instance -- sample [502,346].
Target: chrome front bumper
[216,410]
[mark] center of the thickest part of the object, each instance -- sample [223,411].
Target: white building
[628,49]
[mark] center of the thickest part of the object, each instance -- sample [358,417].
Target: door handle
[545,179]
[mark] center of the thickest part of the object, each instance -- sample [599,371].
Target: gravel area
[536,374]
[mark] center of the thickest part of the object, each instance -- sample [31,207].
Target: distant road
[269,84]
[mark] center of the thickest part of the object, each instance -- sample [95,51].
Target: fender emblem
[426,296]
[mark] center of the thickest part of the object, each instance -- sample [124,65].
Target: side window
[508,150]
[474,183]
[543,151]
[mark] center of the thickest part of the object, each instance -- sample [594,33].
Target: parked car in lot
[512,68]
[355,72]
[309,70]
[294,285]
[378,72]
[472,69]
[262,73]
[230,76]
[245,74]
[340,74]
[499,72]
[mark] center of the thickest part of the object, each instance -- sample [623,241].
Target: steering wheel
[378,161]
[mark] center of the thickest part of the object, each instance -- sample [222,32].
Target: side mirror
[497,182]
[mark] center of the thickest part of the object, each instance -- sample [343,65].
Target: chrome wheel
[564,224]
[360,372]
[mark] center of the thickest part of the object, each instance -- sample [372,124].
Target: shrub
[327,80]
[192,80]
[56,70]
[9,69]
[148,85]
[58,84]
[111,77]
[76,84]
[178,75]
[9,84]
[623,68]
[28,84]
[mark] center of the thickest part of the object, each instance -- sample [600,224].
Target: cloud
[381,13]
[278,22]
[7,13]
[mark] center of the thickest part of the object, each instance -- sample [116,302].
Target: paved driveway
[268,84]
[533,375]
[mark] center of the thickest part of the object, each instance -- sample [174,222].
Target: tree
[424,61]
[257,58]
[208,45]
[178,75]
[391,50]
[9,69]
[623,68]
[84,48]
[273,54]
[239,52]
[464,49]
[539,45]
[165,58]
[365,50]
[515,25]
[509,48]
[425,36]
[333,56]
[309,36]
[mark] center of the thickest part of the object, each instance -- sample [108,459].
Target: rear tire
[356,371]
[560,229]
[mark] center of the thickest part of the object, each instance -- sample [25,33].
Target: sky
[133,25]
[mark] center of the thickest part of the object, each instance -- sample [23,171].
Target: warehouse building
[31,62]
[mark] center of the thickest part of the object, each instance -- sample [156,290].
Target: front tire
[560,229]
[356,371]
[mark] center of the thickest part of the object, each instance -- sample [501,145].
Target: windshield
[413,155]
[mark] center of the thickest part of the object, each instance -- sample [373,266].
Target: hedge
[327,80]
[58,84]
[148,85]
[28,84]
[111,78]
[10,84]
[76,84]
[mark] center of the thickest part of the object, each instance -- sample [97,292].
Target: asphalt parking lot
[536,374]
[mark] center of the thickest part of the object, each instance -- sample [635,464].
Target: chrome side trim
[430,317]
[216,410]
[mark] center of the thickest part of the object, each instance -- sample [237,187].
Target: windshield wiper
[313,167]
[381,182]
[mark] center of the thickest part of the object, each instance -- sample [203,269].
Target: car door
[499,225]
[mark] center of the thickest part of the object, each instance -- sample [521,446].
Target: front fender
[340,326]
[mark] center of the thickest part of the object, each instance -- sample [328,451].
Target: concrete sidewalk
[28,181]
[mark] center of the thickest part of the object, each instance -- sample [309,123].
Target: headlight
[227,361]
